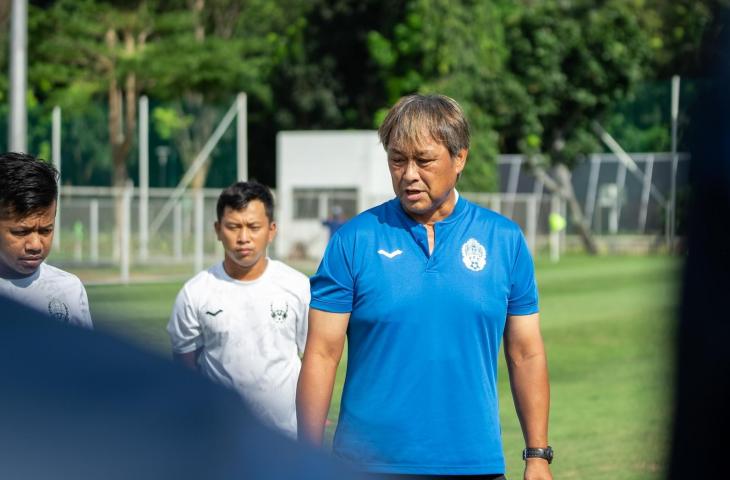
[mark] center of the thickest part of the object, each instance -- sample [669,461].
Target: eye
[396,160]
[20,233]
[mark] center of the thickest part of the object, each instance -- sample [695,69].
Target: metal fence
[614,202]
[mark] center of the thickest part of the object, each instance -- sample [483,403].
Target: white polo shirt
[251,333]
[53,291]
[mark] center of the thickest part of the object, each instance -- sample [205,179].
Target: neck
[443,210]
[9,274]
[239,272]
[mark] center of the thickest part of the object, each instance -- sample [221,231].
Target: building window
[321,203]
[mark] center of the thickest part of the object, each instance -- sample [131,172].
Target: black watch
[544,453]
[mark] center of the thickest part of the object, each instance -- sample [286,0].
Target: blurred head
[245,227]
[28,191]
[426,138]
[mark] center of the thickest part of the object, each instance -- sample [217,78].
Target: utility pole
[18,124]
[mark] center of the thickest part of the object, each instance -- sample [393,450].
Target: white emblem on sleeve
[392,254]
[474,255]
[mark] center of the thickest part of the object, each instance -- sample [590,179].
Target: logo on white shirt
[58,310]
[390,255]
[279,312]
[474,255]
[213,314]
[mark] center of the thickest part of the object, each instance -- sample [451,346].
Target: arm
[189,360]
[325,341]
[527,365]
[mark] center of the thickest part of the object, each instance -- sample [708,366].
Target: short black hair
[27,184]
[238,196]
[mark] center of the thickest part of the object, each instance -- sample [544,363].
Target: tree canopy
[532,76]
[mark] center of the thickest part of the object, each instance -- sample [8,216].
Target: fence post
[590,203]
[673,179]
[177,231]
[144,177]
[241,138]
[564,232]
[94,229]
[512,182]
[645,190]
[199,208]
[56,158]
[532,223]
[554,234]
[620,187]
[124,251]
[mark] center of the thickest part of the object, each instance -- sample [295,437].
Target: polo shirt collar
[459,208]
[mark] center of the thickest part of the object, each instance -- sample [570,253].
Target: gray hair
[415,117]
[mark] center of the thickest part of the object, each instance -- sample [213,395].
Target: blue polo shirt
[420,395]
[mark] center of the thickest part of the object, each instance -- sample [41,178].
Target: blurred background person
[334,221]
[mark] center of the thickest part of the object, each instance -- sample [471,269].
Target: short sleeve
[84,313]
[184,326]
[333,285]
[523,289]
[303,320]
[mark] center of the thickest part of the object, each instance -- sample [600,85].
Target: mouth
[31,262]
[244,252]
[412,195]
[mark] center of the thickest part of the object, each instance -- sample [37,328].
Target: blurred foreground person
[28,192]
[425,287]
[702,392]
[243,322]
[81,405]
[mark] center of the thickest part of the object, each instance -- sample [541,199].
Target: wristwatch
[544,453]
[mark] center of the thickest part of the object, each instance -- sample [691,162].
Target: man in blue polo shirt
[425,287]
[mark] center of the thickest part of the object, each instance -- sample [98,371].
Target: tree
[230,47]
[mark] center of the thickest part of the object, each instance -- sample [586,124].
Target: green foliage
[167,122]
[569,62]
[454,48]
[530,75]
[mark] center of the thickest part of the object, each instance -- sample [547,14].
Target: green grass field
[608,324]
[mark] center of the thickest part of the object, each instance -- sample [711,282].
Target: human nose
[33,243]
[410,171]
[244,235]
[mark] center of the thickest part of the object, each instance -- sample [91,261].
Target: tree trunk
[576,211]
[192,140]
[121,133]
[563,188]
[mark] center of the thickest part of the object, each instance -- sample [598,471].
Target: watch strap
[544,453]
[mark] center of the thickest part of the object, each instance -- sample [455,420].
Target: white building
[318,170]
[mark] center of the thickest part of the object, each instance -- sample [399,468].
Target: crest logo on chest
[474,255]
[279,312]
[58,310]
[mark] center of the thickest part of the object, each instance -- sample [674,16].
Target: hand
[537,469]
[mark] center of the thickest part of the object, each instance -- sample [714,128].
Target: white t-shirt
[251,334]
[53,291]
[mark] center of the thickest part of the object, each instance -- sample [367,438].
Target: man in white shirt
[28,192]
[243,322]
